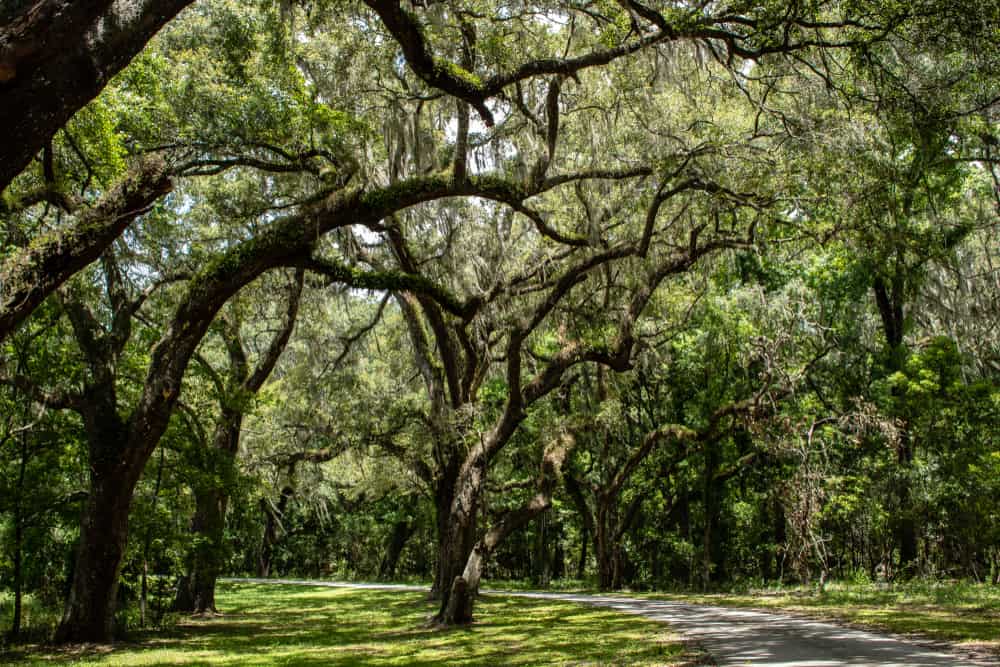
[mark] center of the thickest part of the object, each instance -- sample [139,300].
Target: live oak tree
[470,142]
[235,387]
[55,57]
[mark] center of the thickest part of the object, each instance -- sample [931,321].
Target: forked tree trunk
[457,607]
[456,550]
[459,541]
[464,589]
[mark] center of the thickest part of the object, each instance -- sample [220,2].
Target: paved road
[741,637]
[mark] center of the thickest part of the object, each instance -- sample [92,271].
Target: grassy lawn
[299,625]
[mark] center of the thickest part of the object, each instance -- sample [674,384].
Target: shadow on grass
[318,626]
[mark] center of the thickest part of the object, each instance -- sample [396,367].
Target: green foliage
[823,177]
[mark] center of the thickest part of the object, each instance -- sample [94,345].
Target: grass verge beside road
[302,625]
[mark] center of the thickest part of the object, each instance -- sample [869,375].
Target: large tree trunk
[456,534]
[90,609]
[457,548]
[457,606]
[444,494]
[459,542]
[608,543]
[210,525]
[196,591]
[465,588]
[603,548]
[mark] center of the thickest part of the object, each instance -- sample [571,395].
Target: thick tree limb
[34,272]
[742,36]
[56,56]
[392,281]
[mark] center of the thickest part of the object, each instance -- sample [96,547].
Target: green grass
[301,625]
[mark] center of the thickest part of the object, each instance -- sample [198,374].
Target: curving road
[741,637]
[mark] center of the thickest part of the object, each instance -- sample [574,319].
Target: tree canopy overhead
[625,253]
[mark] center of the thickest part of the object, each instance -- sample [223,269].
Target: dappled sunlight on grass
[289,625]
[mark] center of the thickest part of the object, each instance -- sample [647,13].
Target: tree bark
[604,546]
[458,542]
[56,56]
[400,535]
[196,590]
[89,613]
[444,495]
[457,606]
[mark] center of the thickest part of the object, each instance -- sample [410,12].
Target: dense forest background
[665,295]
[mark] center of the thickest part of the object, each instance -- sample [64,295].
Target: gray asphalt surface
[738,637]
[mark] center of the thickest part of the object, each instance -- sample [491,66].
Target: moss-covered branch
[386,281]
[34,272]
